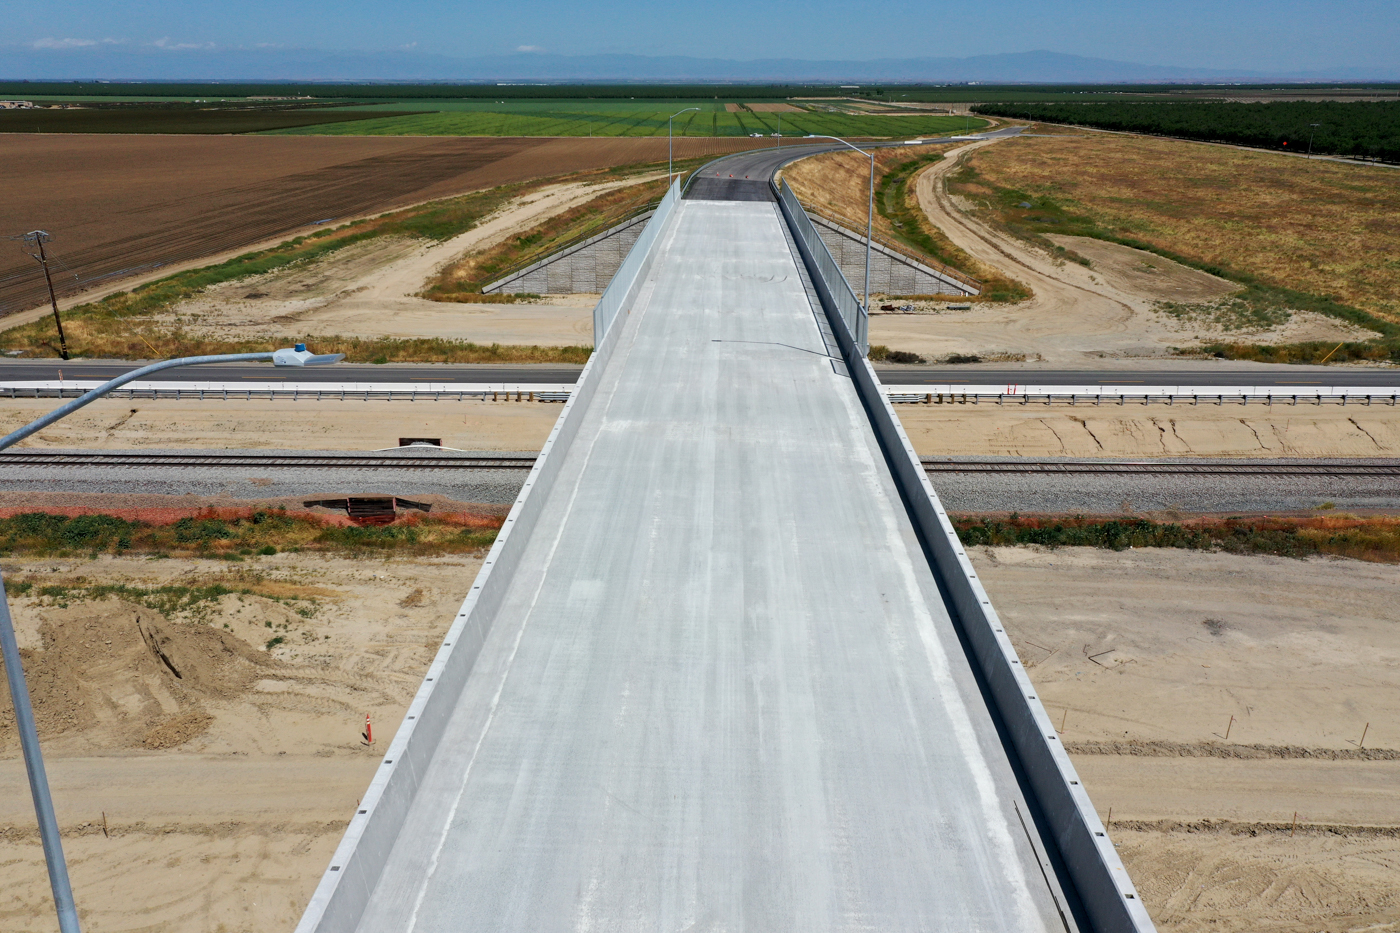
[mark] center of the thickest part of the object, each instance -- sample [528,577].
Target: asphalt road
[1225,375]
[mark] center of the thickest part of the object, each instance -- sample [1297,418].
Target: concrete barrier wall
[584,267]
[339,900]
[1104,889]
[890,272]
[633,268]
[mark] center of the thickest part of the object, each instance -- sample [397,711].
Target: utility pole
[1311,133]
[38,238]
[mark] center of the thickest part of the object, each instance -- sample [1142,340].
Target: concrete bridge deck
[722,691]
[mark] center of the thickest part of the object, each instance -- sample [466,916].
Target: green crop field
[625,118]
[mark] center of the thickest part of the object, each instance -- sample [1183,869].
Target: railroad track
[122,460]
[27,458]
[1164,468]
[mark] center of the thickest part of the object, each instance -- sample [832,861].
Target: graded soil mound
[125,670]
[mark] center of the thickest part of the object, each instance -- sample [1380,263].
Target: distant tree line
[1361,129]
[389,91]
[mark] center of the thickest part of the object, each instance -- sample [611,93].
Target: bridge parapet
[1066,818]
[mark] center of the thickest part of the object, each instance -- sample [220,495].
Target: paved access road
[553,374]
[722,691]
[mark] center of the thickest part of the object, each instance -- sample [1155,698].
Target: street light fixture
[668,139]
[9,647]
[869,211]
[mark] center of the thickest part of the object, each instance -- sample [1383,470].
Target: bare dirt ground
[1077,313]
[1152,431]
[762,108]
[1144,655]
[370,289]
[224,791]
[121,206]
[934,430]
[120,424]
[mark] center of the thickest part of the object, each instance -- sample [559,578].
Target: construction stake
[1362,743]
[1228,727]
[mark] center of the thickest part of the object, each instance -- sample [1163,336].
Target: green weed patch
[1369,539]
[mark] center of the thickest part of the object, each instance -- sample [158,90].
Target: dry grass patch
[463,280]
[1313,226]
[838,185]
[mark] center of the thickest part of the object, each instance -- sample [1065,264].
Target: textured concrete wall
[890,273]
[584,267]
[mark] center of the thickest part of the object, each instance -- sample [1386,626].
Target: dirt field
[371,289]
[763,108]
[112,424]
[935,430]
[223,792]
[1152,431]
[119,206]
[1302,653]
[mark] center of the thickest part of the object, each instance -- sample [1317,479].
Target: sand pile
[129,676]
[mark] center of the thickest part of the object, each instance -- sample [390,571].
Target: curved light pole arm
[870,209]
[298,357]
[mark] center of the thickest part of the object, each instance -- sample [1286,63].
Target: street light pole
[668,139]
[869,210]
[9,646]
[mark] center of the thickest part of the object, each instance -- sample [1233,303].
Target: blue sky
[1278,35]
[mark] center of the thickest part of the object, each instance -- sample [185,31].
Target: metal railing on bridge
[831,280]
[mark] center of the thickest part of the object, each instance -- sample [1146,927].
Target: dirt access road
[1077,313]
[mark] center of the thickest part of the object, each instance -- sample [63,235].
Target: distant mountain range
[107,62]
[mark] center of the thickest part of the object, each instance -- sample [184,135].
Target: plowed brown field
[119,206]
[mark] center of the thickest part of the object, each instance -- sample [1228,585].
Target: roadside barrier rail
[958,394]
[832,288]
[942,394]
[301,391]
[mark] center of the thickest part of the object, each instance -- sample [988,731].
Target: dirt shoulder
[1144,655]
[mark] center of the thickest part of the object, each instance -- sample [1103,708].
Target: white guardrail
[301,391]
[1005,394]
[943,394]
